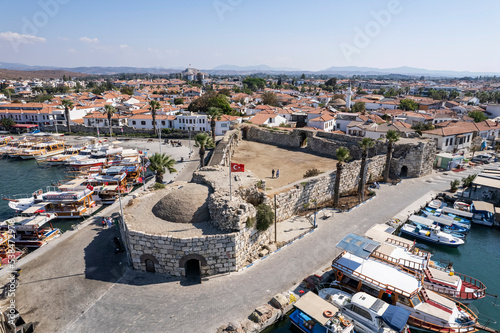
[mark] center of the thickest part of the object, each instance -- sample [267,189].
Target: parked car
[484,158]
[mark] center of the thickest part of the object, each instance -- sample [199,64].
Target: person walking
[278,173]
[104,225]
[272,173]
[110,222]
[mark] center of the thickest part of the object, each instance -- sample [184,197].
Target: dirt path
[293,164]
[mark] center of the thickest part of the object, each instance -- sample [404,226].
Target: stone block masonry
[301,194]
[411,157]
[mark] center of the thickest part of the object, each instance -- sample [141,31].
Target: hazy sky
[310,35]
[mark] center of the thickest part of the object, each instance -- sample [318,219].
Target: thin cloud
[20,38]
[71,51]
[123,46]
[89,40]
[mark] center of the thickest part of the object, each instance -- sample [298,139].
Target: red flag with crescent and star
[235,167]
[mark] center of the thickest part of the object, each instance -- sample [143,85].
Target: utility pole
[275,222]
[159,138]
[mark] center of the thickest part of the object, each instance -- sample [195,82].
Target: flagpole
[230,176]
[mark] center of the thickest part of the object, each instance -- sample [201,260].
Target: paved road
[78,286]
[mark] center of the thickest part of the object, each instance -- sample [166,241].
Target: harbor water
[24,177]
[479,258]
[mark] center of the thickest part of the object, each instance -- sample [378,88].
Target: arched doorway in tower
[404,171]
[150,266]
[303,140]
[193,270]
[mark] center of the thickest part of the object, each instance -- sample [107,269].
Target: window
[415,300]
[223,125]
[143,122]
[133,122]
[190,121]
[362,312]
[163,122]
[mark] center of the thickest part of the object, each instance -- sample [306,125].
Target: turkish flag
[235,167]
[90,187]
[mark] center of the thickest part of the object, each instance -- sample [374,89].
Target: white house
[454,137]
[224,124]
[325,122]
[270,120]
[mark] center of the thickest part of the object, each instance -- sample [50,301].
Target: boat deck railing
[404,263]
[479,289]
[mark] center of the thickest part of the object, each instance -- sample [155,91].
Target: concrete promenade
[78,284]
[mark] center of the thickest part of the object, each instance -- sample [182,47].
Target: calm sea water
[479,257]
[24,177]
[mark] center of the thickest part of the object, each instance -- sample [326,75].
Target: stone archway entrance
[192,264]
[404,171]
[193,270]
[150,266]
[150,262]
[303,140]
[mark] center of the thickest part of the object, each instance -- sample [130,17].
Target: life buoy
[339,275]
[328,314]
[40,192]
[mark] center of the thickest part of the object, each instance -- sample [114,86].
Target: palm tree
[343,155]
[203,141]
[67,105]
[154,105]
[109,110]
[213,115]
[160,162]
[365,145]
[392,136]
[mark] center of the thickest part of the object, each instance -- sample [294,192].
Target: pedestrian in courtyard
[272,173]
[104,225]
[278,173]
[110,222]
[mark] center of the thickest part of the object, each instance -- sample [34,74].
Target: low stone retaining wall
[302,194]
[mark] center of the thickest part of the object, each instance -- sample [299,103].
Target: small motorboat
[431,233]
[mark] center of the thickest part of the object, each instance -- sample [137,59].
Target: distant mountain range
[245,70]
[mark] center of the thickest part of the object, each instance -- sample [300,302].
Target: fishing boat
[61,158]
[462,206]
[20,202]
[314,315]
[458,217]
[367,313]
[21,146]
[448,223]
[43,150]
[483,213]
[9,253]
[67,205]
[435,204]
[88,162]
[425,230]
[440,278]
[4,141]
[357,272]
[29,231]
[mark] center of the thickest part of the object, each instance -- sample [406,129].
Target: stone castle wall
[224,151]
[417,155]
[302,194]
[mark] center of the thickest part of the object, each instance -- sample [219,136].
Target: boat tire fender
[339,275]
[328,314]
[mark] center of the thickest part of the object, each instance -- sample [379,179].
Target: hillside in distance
[9,74]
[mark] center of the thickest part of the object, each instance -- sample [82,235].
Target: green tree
[343,155]
[331,82]
[408,104]
[42,98]
[478,116]
[109,110]
[419,127]
[7,123]
[211,99]
[359,107]
[392,137]
[160,163]
[254,83]
[366,144]
[213,115]
[270,98]
[203,141]
[225,91]
[127,90]
[67,104]
[265,217]
[303,76]
[154,106]
[178,100]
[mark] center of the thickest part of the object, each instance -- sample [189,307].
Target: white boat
[367,313]
[356,271]
[313,314]
[21,202]
[428,232]
[435,204]
[29,231]
[89,162]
